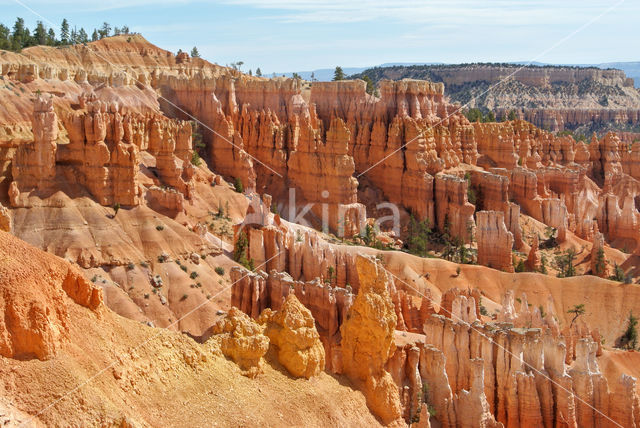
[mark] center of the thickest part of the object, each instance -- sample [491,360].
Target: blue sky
[290,35]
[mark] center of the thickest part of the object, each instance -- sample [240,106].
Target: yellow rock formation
[242,340]
[367,341]
[292,330]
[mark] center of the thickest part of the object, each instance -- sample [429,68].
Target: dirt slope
[111,369]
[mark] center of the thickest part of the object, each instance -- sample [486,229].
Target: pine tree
[40,34]
[19,38]
[576,311]
[51,37]
[370,88]
[618,273]
[82,36]
[313,76]
[338,74]
[240,249]
[512,115]
[5,42]
[94,36]
[565,264]
[195,53]
[258,72]
[630,337]
[600,264]
[125,29]
[64,32]
[105,31]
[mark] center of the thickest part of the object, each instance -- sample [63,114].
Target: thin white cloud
[492,12]
[88,6]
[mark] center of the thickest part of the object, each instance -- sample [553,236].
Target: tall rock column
[453,210]
[34,165]
[494,241]
[45,133]
[367,341]
[598,259]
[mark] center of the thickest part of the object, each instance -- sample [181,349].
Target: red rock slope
[65,359]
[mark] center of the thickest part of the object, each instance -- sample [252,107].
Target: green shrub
[219,270]
[629,339]
[239,187]
[565,264]
[600,264]
[483,310]
[193,275]
[195,159]
[618,273]
[240,249]
[576,311]
[418,236]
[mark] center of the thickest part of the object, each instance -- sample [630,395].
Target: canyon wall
[518,369]
[321,141]
[551,97]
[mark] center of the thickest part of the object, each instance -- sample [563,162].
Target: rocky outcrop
[403,367]
[292,330]
[599,265]
[494,241]
[35,318]
[545,96]
[5,219]
[367,341]
[619,224]
[454,213]
[525,382]
[523,188]
[241,339]
[462,305]
[268,131]
[606,155]
[412,310]
[34,164]
[300,251]
[103,153]
[533,259]
[254,293]
[490,191]
[496,143]
[323,171]
[80,290]
[554,214]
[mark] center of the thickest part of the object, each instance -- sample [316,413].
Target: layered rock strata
[102,154]
[495,242]
[270,133]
